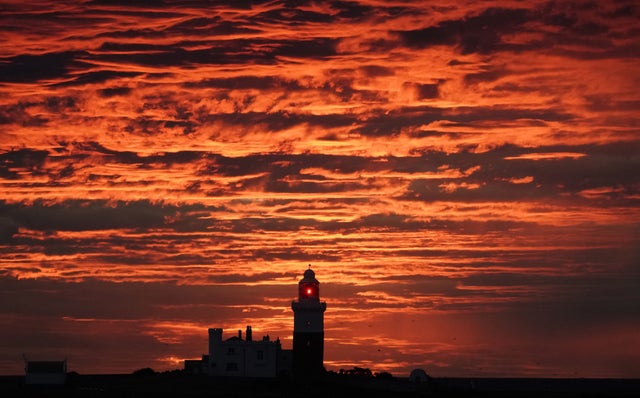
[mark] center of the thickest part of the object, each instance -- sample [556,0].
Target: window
[260,355]
[231,351]
[232,366]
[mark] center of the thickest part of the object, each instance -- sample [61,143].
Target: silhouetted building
[45,372]
[308,328]
[197,366]
[245,358]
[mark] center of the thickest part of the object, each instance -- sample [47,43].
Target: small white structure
[45,372]
[419,376]
[246,358]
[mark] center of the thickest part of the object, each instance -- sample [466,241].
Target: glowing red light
[309,291]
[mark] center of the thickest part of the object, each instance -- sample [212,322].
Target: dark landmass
[179,384]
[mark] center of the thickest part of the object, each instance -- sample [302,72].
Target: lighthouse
[308,328]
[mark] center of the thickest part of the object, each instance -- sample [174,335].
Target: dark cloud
[27,114]
[603,102]
[376,71]
[496,178]
[222,52]
[207,27]
[176,56]
[313,49]
[475,34]
[352,9]
[485,76]
[8,228]
[602,166]
[127,157]
[423,91]
[31,68]
[115,91]
[30,160]
[391,123]
[284,120]
[485,33]
[428,91]
[85,215]
[135,3]
[81,79]
[248,82]
[292,16]
[292,254]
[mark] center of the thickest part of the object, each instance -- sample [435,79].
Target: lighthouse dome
[309,276]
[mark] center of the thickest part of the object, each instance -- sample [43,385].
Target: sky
[463,178]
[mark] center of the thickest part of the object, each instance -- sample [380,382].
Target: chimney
[239,334]
[249,335]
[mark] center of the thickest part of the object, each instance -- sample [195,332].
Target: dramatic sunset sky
[463,177]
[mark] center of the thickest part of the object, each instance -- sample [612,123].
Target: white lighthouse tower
[308,328]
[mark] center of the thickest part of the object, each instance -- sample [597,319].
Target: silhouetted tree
[144,372]
[383,375]
[357,371]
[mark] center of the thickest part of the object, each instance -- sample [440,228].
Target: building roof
[46,367]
